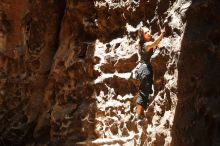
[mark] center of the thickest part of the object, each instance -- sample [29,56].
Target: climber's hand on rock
[162,31]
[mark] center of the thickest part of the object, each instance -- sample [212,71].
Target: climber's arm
[151,45]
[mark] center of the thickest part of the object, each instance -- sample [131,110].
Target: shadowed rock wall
[197,115]
[31,30]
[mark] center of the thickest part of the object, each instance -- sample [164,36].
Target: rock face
[67,72]
[197,116]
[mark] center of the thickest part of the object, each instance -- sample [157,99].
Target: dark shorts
[145,75]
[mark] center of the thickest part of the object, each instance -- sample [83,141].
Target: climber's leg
[145,75]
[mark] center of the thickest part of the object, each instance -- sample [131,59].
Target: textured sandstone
[67,72]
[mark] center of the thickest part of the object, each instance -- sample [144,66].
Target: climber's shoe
[139,117]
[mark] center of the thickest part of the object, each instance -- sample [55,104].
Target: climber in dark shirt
[145,72]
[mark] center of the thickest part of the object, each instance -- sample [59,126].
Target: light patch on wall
[3,39]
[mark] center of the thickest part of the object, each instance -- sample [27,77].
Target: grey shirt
[145,56]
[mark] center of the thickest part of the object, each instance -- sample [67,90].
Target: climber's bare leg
[139,111]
